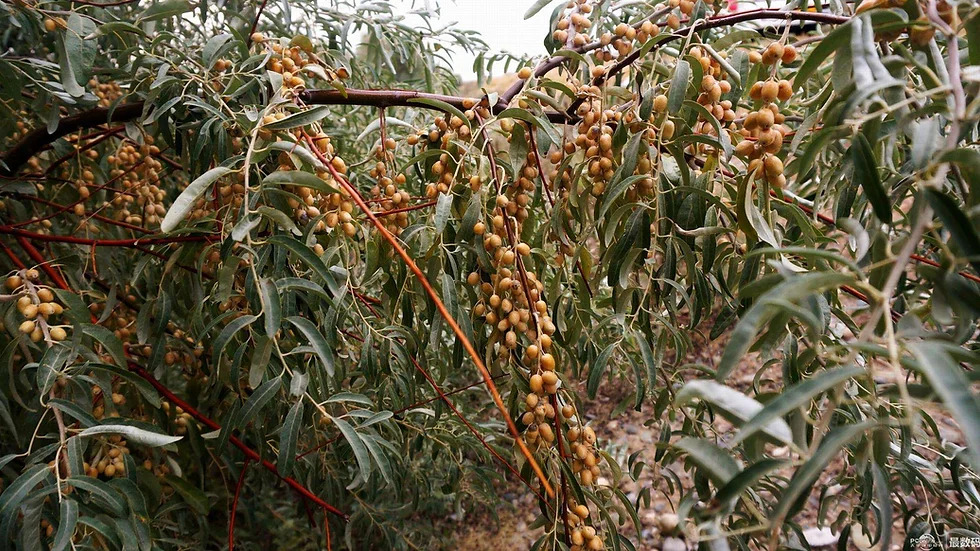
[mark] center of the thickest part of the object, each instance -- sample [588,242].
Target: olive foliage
[271,280]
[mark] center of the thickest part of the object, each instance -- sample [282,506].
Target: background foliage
[254,252]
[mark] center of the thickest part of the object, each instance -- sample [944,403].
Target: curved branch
[36,140]
[9,230]
[33,142]
[714,22]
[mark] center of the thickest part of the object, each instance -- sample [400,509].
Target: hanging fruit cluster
[107,92]
[389,192]
[108,460]
[37,306]
[714,85]
[763,128]
[138,171]
[582,536]
[295,60]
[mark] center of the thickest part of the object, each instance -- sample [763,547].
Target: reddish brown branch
[383,213]
[249,452]
[476,433]
[103,242]
[13,256]
[234,505]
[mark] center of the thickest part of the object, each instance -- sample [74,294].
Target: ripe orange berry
[770,90]
[789,54]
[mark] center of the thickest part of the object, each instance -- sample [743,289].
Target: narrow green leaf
[272,315]
[442,106]
[443,203]
[133,434]
[184,203]
[319,344]
[715,461]
[361,453]
[678,86]
[301,118]
[305,253]
[299,178]
[67,520]
[536,7]
[288,436]
[795,397]
[221,341]
[866,173]
[258,400]
[597,370]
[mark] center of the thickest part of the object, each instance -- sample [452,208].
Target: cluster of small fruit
[572,28]
[36,303]
[595,139]
[21,129]
[230,194]
[582,536]
[334,209]
[586,457]
[388,192]
[122,321]
[107,92]
[763,129]
[182,419]
[99,409]
[293,61]
[138,199]
[440,134]
[714,85]
[108,460]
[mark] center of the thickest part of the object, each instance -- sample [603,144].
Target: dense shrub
[271,282]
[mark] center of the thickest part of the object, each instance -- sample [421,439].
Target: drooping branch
[434,297]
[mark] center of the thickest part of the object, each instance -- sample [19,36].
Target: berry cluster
[389,192]
[36,303]
[763,129]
